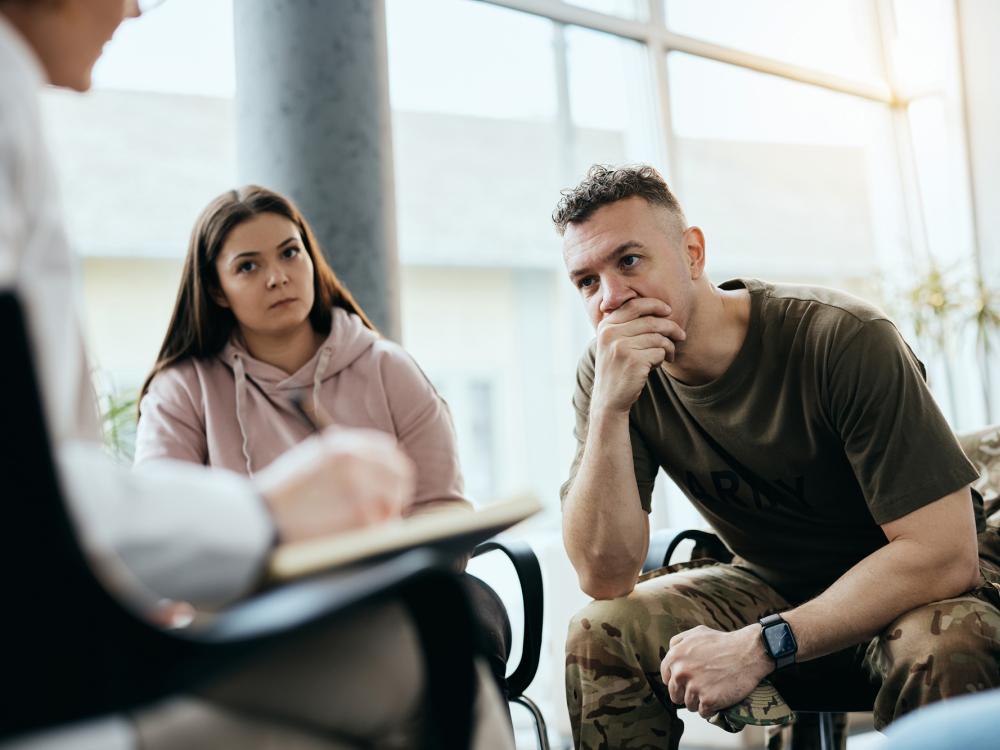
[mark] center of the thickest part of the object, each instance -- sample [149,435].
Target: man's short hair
[605,184]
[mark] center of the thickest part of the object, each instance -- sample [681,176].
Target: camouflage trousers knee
[615,694]
[617,699]
[940,650]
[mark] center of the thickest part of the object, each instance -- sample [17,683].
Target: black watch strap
[779,641]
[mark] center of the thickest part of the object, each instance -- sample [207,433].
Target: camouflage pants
[617,699]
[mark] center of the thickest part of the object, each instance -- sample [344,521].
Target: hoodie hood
[349,339]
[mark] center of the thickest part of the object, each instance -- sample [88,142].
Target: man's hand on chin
[709,670]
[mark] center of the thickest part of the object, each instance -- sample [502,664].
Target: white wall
[127,305]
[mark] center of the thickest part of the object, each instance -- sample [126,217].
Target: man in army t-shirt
[798,422]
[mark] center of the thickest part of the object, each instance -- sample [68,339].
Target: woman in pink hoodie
[263,330]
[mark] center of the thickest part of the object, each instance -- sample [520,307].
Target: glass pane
[788,181]
[473,139]
[922,38]
[462,58]
[611,106]
[953,369]
[923,49]
[944,188]
[840,37]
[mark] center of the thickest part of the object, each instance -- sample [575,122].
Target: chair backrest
[983,449]
[69,648]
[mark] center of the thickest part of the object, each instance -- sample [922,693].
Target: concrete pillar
[312,121]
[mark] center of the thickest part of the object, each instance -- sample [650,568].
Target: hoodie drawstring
[241,387]
[324,359]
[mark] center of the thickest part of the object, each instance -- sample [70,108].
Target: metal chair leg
[826,730]
[540,728]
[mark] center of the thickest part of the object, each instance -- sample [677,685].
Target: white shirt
[184,531]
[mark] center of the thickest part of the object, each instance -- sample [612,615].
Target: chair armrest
[284,609]
[529,576]
[664,542]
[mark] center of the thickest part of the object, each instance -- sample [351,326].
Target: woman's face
[266,275]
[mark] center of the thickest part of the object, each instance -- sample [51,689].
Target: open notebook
[454,531]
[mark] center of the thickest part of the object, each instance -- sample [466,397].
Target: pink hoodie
[235,412]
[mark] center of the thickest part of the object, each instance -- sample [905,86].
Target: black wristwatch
[779,640]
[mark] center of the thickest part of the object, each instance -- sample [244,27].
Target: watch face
[780,641]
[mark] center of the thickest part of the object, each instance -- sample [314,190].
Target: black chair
[73,651]
[529,575]
[827,688]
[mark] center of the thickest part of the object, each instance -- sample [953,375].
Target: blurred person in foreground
[187,532]
[968,723]
[797,421]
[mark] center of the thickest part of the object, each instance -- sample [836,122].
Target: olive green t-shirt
[821,429]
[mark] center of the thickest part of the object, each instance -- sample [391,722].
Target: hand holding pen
[335,480]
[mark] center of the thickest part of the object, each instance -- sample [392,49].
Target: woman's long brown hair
[199,326]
